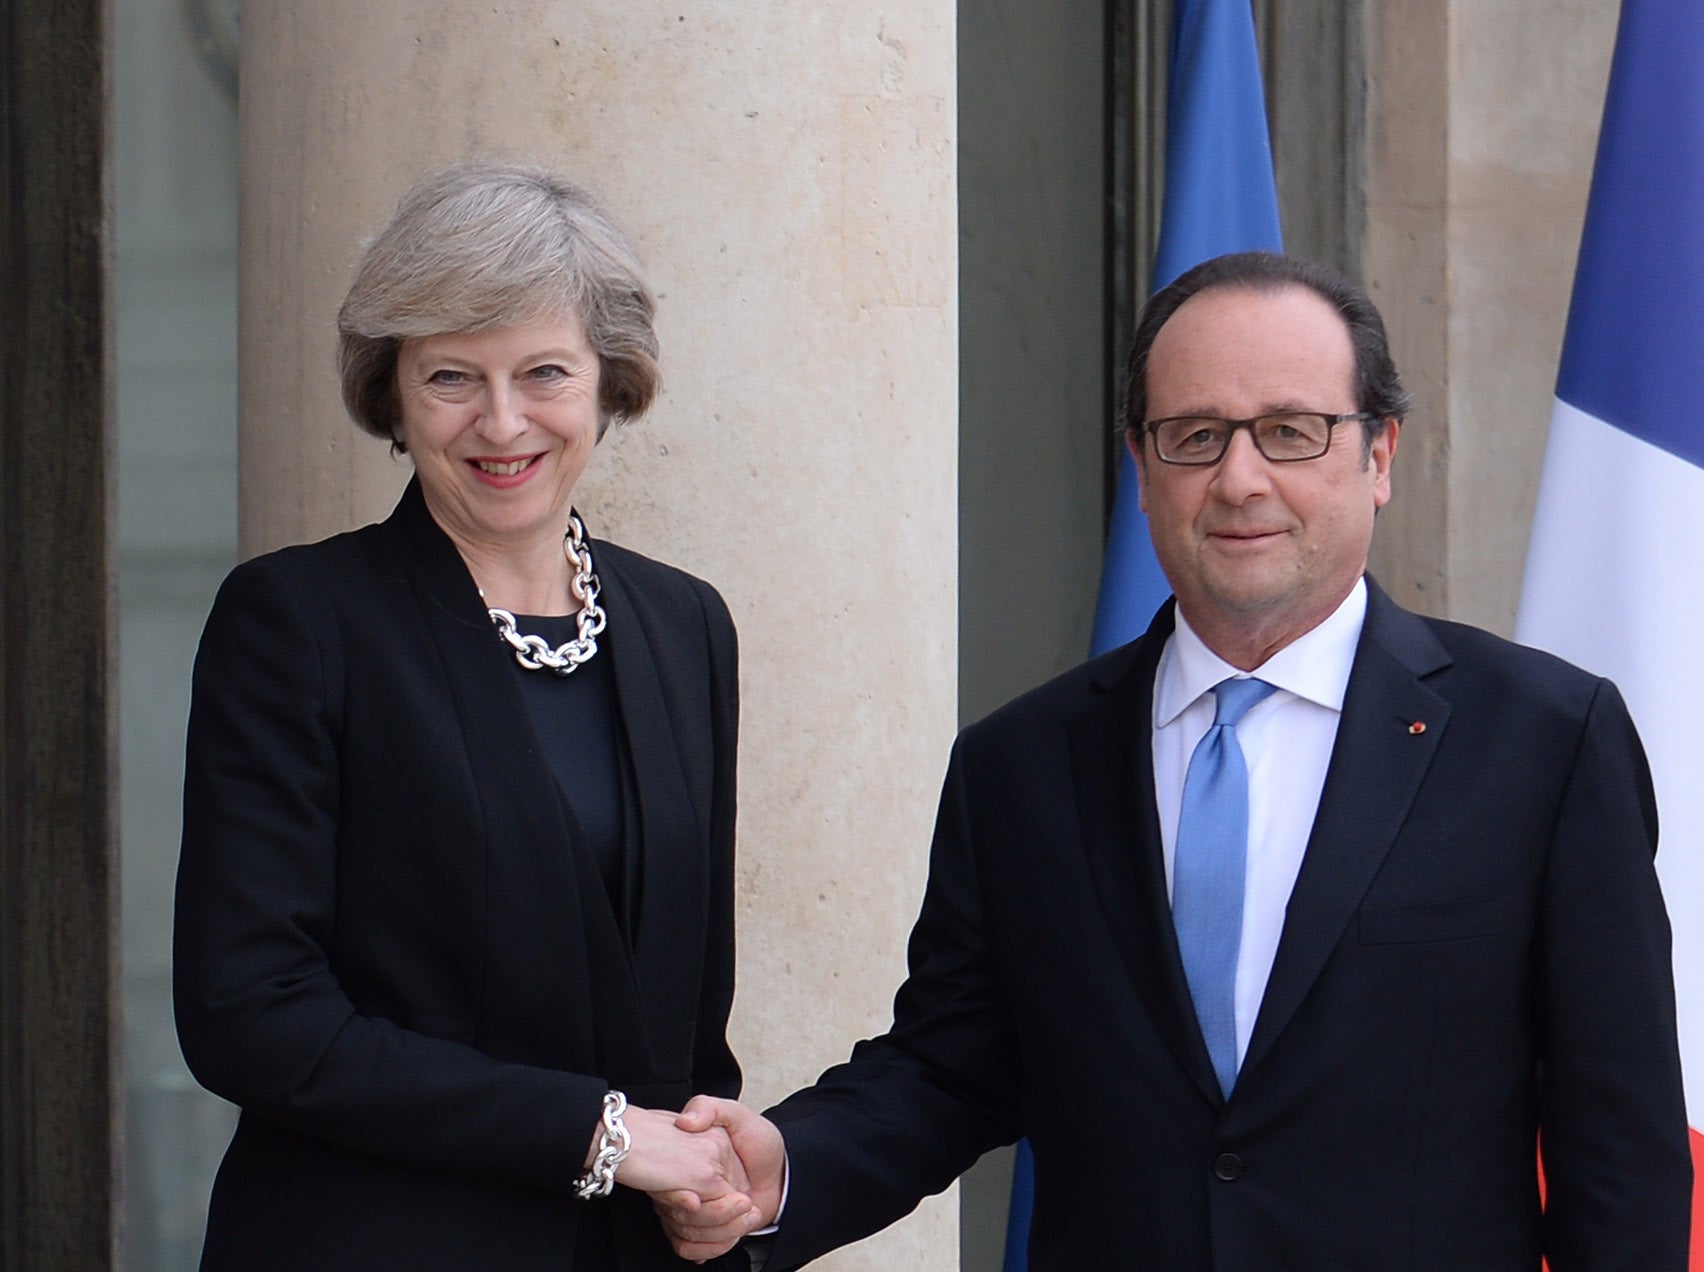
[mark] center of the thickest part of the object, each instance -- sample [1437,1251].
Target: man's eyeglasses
[1284,437]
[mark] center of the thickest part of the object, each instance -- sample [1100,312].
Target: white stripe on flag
[1615,583]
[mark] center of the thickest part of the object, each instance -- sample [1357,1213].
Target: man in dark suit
[1288,931]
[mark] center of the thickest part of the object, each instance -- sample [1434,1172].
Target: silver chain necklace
[534,652]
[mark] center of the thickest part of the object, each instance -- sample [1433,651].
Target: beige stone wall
[789,174]
[1482,121]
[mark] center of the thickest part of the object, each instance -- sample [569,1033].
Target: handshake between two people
[715,1172]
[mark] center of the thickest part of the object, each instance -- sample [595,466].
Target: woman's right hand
[701,1230]
[665,1158]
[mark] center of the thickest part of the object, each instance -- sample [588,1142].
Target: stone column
[1481,130]
[788,172]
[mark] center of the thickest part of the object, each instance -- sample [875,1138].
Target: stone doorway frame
[60,1022]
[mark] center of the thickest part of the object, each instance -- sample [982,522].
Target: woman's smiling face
[500,425]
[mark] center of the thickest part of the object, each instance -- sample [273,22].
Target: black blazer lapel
[564,971]
[1377,764]
[666,881]
[1113,760]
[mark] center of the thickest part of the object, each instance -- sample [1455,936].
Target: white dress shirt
[1286,740]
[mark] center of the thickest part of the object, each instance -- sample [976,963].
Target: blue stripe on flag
[1132,584]
[1018,1217]
[1220,197]
[1635,328]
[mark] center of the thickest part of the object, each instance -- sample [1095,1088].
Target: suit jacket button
[1228,1166]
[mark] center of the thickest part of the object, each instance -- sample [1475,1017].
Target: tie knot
[1232,698]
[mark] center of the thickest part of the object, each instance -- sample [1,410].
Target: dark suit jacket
[388,951]
[1475,951]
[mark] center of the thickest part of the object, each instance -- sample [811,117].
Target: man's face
[1260,553]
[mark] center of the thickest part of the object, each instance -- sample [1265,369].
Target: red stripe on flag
[1696,1262]
[1544,1264]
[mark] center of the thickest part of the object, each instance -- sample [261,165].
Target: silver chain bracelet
[614,1143]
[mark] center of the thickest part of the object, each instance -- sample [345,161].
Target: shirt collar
[1314,666]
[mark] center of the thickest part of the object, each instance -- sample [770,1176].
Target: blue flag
[1220,197]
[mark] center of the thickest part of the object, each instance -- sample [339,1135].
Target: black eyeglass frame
[1330,420]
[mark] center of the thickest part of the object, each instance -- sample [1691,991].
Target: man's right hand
[700,1229]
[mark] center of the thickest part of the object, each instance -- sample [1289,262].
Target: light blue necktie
[1207,872]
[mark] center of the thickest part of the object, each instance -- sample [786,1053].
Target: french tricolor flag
[1615,571]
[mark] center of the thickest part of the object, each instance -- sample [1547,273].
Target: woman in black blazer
[455,905]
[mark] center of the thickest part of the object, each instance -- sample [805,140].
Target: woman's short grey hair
[482,245]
